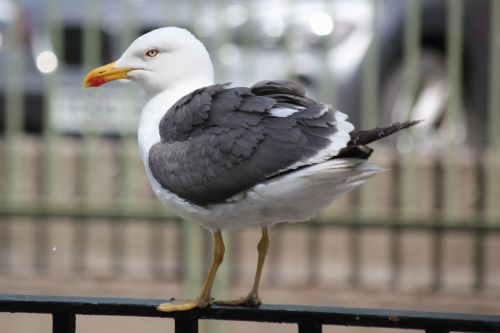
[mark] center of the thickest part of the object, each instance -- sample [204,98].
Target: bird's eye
[151,53]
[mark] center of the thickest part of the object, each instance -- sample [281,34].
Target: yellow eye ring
[151,53]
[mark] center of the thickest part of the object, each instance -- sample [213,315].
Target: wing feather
[218,141]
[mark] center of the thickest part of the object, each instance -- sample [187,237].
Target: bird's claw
[249,300]
[185,305]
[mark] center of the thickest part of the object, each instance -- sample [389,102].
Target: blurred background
[77,216]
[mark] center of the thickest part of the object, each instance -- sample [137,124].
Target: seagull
[232,157]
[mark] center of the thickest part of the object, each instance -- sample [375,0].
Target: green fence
[57,165]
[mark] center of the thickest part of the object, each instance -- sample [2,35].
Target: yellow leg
[204,299]
[253,298]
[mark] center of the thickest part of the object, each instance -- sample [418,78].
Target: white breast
[155,109]
[149,134]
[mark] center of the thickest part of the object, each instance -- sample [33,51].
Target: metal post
[64,323]
[186,325]
[310,328]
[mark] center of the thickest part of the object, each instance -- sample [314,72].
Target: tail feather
[356,147]
[364,137]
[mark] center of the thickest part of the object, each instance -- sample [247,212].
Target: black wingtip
[364,137]
[411,123]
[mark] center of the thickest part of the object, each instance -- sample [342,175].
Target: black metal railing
[308,318]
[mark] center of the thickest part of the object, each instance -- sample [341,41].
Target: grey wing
[219,141]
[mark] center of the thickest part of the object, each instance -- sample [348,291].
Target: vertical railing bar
[437,259]
[370,105]
[437,233]
[494,104]
[288,44]
[91,40]
[156,249]
[395,257]
[63,323]
[407,167]
[412,35]
[493,183]
[186,325]
[126,151]
[492,180]
[454,43]
[117,245]
[354,240]
[370,78]
[91,49]
[328,82]
[47,159]
[80,247]
[395,241]
[126,173]
[479,248]
[310,328]
[5,245]
[411,61]
[479,259]
[14,112]
[313,254]
[48,165]
[355,254]
[41,245]
[180,238]
[452,173]
[480,205]
[120,202]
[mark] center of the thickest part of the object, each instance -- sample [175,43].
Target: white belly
[295,197]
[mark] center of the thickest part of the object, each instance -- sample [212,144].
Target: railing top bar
[325,222]
[265,313]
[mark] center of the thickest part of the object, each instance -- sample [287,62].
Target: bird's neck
[157,106]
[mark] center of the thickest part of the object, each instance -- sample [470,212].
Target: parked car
[433,85]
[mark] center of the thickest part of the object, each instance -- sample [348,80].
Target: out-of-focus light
[1,40]
[46,62]
[321,24]
[205,26]
[229,54]
[112,24]
[274,28]
[8,11]
[297,43]
[236,15]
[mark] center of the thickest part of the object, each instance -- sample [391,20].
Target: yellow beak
[104,74]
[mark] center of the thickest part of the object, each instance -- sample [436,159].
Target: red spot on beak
[96,81]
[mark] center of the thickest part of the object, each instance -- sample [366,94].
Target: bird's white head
[159,60]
